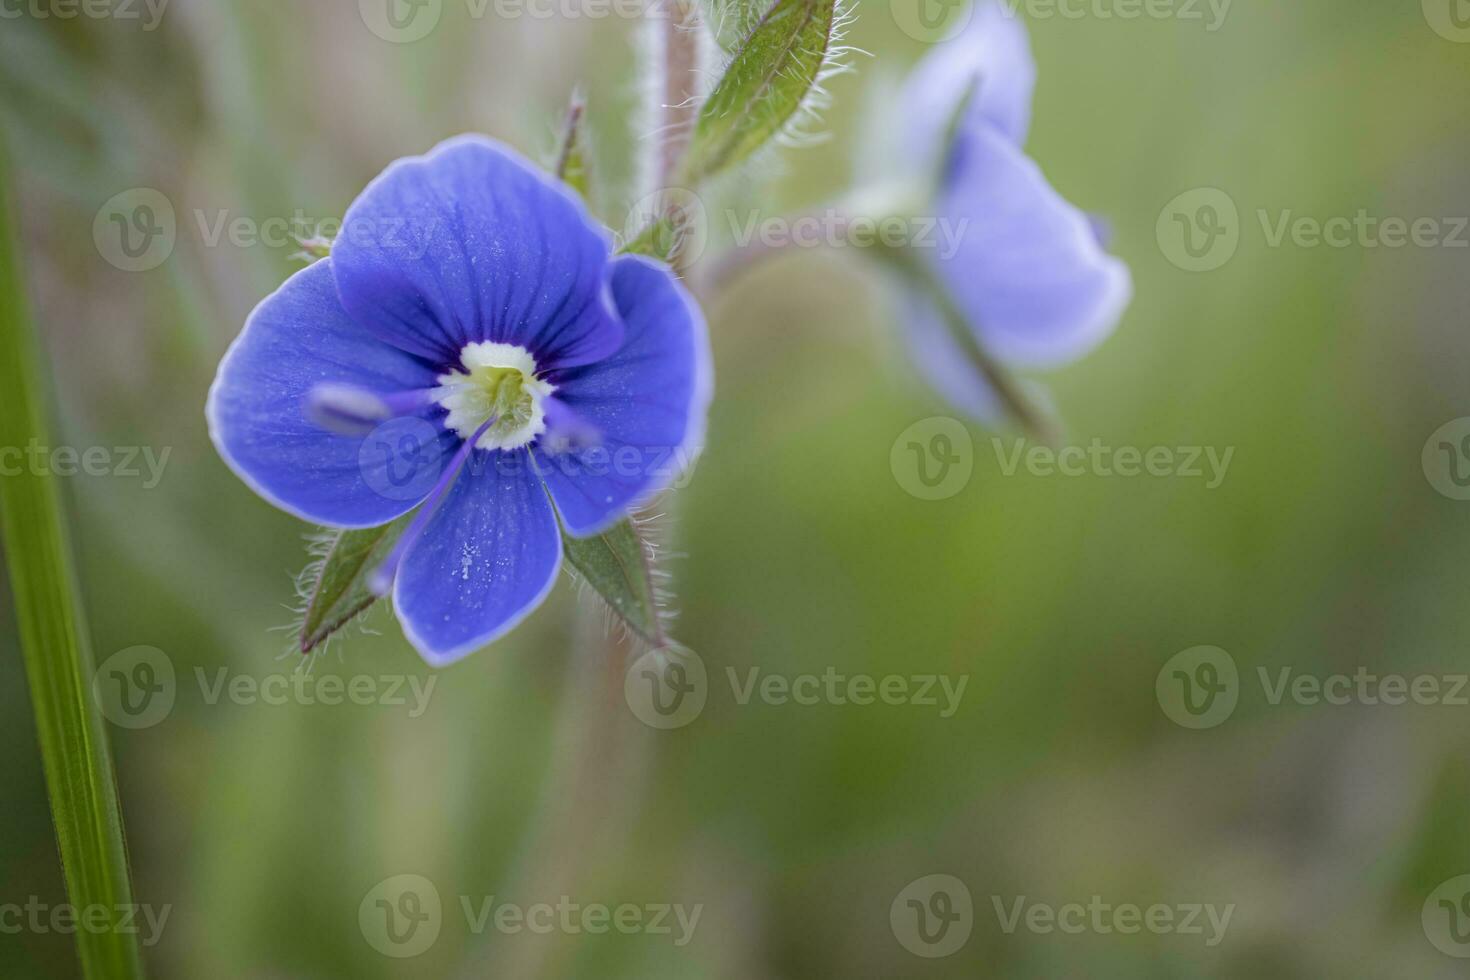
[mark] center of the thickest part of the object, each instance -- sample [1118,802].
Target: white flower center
[498,382]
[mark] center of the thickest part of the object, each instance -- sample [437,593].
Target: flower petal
[486,560]
[1027,268]
[470,243]
[944,364]
[648,401]
[296,338]
[993,53]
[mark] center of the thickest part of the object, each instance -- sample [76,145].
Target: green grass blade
[79,776]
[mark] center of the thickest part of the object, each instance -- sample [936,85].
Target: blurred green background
[796,549]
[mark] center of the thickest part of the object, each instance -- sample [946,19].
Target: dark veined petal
[470,243]
[648,402]
[296,338]
[487,559]
[992,55]
[1027,269]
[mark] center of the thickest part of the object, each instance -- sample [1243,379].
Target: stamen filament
[380,582]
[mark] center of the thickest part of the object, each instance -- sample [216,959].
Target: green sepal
[336,587]
[615,564]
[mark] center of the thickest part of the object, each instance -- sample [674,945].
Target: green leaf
[615,563]
[53,637]
[774,71]
[337,585]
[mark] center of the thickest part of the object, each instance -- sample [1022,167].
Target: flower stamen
[498,384]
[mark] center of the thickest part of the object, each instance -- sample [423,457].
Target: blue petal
[993,53]
[486,560]
[648,402]
[470,243]
[1028,270]
[295,339]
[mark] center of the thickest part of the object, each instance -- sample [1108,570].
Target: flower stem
[680,27]
[1032,419]
[53,639]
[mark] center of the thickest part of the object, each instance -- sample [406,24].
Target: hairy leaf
[337,586]
[775,69]
[616,565]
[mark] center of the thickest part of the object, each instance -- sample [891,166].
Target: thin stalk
[1032,419]
[53,639]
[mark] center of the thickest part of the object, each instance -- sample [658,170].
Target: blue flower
[469,349]
[1029,272]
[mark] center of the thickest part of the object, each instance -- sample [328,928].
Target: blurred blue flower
[1029,273]
[470,349]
